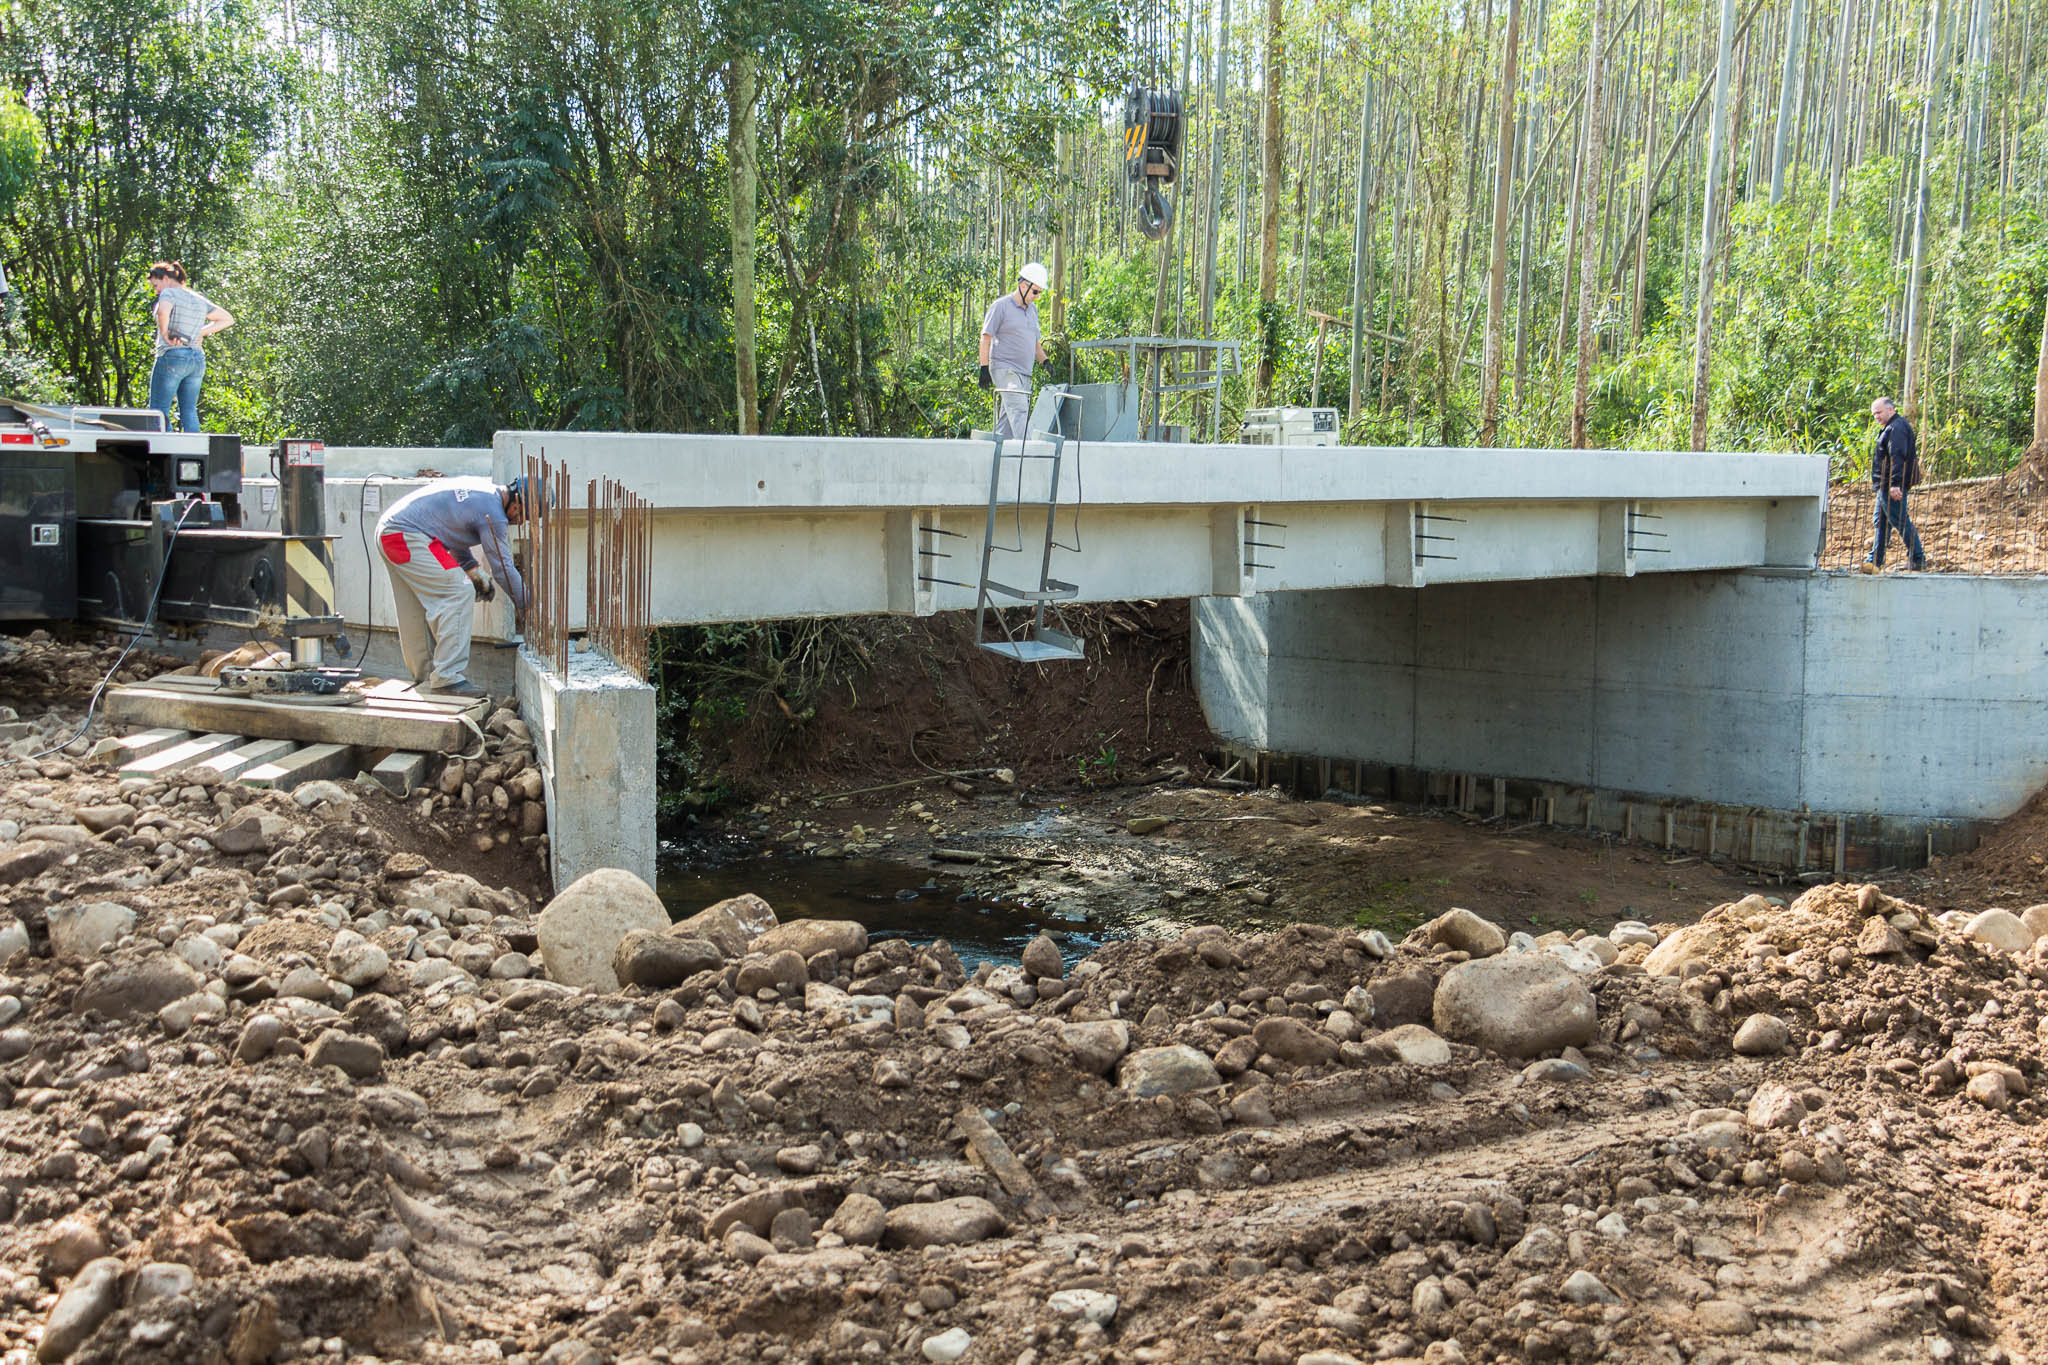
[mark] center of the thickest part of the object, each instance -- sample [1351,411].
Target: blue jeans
[1892,515]
[177,374]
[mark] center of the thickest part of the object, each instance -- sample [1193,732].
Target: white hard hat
[1033,273]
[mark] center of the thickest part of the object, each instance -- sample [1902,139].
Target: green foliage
[150,123]
[21,149]
[516,216]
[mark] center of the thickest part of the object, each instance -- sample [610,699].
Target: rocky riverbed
[276,1087]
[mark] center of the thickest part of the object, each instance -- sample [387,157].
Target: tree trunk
[1269,204]
[1589,264]
[1702,352]
[742,148]
[1788,99]
[2041,395]
[1916,291]
[1059,241]
[1497,265]
[1361,248]
[1216,169]
[1838,146]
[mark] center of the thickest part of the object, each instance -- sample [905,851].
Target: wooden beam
[302,765]
[179,757]
[128,748]
[400,771]
[376,698]
[369,727]
[237,761]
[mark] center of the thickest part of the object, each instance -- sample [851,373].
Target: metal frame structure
[1163,373]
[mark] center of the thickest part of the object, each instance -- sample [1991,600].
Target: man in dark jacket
[1894,469]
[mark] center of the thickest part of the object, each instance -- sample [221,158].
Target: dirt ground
[1992,525]
[273,1087]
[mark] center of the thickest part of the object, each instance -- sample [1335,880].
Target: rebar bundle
[547,561]
[619,556]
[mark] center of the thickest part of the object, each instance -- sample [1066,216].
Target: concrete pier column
[594,734]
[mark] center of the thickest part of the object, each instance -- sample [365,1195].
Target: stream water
[894,900]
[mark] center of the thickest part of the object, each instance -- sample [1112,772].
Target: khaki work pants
[1013,401]
[436,607]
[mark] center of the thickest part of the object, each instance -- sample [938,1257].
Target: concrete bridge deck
[772,527]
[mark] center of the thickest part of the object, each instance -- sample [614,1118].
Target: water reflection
[894,900]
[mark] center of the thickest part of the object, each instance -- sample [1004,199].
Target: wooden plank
[236,761]
[179,757]
[400,771]
[377,698]
[128,748]
[302,765]
[354,726]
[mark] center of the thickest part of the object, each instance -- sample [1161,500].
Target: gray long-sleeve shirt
[463,514]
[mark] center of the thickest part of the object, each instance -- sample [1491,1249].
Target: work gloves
[481,581]
[987,380]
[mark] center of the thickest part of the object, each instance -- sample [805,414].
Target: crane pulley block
[1152,134]
[1153,123]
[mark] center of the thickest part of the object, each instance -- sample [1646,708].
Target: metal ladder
[1042,643]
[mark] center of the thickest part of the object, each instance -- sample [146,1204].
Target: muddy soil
[274,1088]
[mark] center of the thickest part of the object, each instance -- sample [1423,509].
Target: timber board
[368,726]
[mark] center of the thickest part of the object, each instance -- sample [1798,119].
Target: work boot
[1869,566]
[462,687]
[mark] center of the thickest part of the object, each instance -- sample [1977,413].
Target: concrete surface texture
[1909,696]
[594,734]
[870,523]
[398,462]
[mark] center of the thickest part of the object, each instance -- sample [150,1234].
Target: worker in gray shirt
[429,539]
[1010,348]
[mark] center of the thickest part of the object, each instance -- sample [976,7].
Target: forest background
[1536,222]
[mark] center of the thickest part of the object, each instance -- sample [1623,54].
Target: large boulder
[79,929]
[18,862]
[1402,998]
[809,937]
[731,924]
[1173,1070]
[661,960]
[1097,1045]
[949,1222]
[581,928]
[1516,1004]
[142,986]
[1290,1040]
[2000,929]
[1414,1045]
[1467,932]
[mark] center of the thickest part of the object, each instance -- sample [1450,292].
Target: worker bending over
[1010,348]
[430,538]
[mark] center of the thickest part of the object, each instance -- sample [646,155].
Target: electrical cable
[148,619]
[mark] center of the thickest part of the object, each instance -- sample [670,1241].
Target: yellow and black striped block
[308,578]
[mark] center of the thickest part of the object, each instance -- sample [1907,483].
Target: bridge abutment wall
[1792,718]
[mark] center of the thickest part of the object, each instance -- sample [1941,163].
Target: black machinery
[107,517]
[1152,136]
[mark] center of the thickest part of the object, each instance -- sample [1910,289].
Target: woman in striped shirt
[183,316]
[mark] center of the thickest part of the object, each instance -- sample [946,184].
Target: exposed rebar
[618,558]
